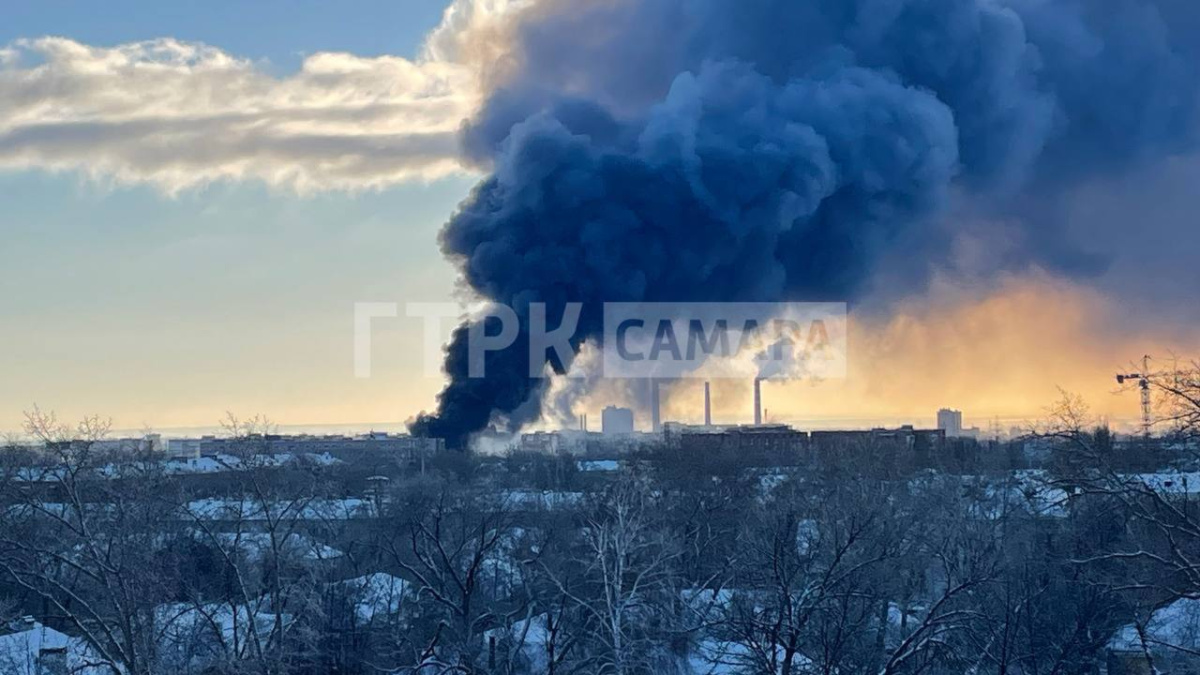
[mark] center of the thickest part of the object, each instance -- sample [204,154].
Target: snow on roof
[1175,625]
[317,509]
[1031,492]
[32,636]
[599,465]
[182,621]
[533,629]
[21,645]
[224,462]
[1170,483]
[718,657]
[538,500]
[198,465]
[185,465]
[377,596]
[256,545]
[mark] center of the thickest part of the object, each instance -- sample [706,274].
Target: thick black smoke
[707,150]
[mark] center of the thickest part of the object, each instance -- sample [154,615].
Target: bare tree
[810,590]
[80,532]
[261,530]
[619,577]
[461,553]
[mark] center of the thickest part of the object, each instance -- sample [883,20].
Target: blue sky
[277,30]
[165,308]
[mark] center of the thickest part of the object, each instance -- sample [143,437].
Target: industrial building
[578,442]
[619,435]
[755,438]
[343,447]
[904,438]
[616,421]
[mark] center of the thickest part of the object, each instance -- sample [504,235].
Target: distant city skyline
[1130,424]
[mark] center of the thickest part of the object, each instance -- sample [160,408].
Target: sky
[166,308]
[194,195]
[279,31]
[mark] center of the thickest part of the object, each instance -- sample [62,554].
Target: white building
[950,421]
[185,448]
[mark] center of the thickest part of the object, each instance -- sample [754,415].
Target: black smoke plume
[708,150]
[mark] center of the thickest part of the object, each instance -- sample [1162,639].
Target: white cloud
[179,114]
[475,32]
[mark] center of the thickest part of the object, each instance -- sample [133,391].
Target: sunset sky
[194,195]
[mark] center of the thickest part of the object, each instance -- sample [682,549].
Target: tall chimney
[707,406]
[757,401]
[655,422]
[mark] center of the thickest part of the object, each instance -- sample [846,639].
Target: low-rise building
[30,648]
[400,446]
[751,438]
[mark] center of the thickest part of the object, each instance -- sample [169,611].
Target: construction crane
[1143,379]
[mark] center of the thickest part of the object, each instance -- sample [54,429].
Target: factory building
[743,439]
[905,438]
[616,421]
[343,447]
[585,443]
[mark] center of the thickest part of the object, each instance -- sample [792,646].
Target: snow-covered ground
[1175,626]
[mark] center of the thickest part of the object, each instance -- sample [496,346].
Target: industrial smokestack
[655,421]
[707,406]
[757,401]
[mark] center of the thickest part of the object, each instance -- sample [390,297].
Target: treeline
[534,564]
